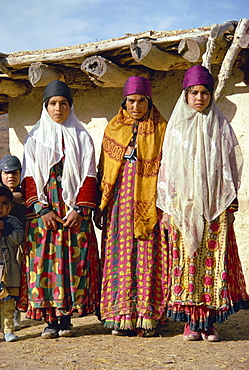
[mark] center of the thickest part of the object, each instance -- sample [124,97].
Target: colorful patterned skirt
[208,288]
[61,271]
[135,278]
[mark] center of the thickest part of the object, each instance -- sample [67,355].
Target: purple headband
[197,75]
[137,85]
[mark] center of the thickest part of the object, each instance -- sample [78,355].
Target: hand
[230,219]
[98,219]
[165,220]
[73,220]
[50,220]
[17,197]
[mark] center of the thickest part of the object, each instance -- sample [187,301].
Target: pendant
[59,178]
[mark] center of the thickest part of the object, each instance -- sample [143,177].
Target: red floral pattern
[208,280]
[215,227]
[211,284]
[212,245]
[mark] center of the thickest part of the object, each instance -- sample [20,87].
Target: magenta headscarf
[137,85]
[197,75]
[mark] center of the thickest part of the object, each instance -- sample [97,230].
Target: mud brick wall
[4,135]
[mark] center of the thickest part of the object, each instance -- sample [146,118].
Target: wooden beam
[4,104]
[244,41]
[4,69]
[217,40]
[192,48]
[41,74]
[3,107]
[4,99]
[240,40]
[152,57]
[12,88]
[223,33]
[80,52]
[17,75]
[76,79]
[104,73]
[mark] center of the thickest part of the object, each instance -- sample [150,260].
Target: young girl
[197,190]
[59,185]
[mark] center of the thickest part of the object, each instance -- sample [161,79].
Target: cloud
[223,5]
[45,25]
[181,6]
[36,24]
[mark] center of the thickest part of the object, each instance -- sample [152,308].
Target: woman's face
[137,106]
[58,108]
[198,97]
[11,179]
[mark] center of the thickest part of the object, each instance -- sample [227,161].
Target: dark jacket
[12,237]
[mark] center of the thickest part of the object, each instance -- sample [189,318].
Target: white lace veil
[43,148]
[200,169]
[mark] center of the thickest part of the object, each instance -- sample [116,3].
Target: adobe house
[96,73]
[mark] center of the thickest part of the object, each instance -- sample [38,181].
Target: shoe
[17,320]
[50,332]
[66,328]
[210,335]
[120,333]
[124,333]
[146,333]
[67,331]
[189,334]
[10,337]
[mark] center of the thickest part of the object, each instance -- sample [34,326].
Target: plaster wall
[96,107]
[4,134]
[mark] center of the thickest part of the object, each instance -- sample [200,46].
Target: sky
[43,24]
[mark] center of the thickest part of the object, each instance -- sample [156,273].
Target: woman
[59,185]
[197,191]
[134,249]
[10,175]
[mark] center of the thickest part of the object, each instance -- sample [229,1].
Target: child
[10,174]
[11,236]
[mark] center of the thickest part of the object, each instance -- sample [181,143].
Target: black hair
[208,87]
[7,193]
[150,104]
[47,100]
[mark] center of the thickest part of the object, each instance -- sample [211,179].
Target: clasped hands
[50,220]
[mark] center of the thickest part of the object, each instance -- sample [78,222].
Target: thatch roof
[108,63]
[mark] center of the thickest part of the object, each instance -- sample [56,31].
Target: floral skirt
[60,271]
[209,287]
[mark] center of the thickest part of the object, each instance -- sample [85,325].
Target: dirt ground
[94,348]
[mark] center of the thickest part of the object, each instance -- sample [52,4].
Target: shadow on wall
[4,134]
[20,132]
[229,109]
[24,112]
[236,85]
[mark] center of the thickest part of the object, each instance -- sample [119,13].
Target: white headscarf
[200,169]
[43,148]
